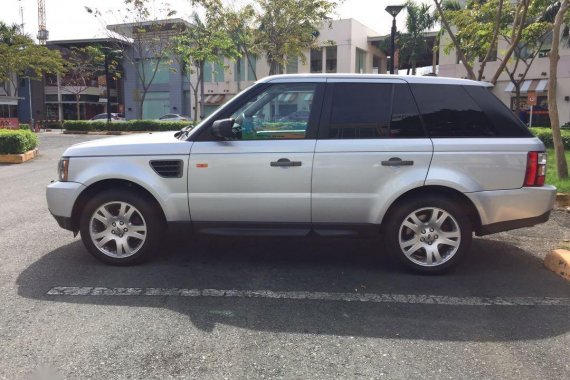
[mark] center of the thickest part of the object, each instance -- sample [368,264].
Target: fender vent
[168,168]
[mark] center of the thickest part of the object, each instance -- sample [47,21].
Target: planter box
[18,158]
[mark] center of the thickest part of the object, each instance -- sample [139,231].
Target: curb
[18,158]
[562,200]
[558,261]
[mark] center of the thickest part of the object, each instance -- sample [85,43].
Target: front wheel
[429,235]
[120,227]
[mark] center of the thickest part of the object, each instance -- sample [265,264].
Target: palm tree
[413,43]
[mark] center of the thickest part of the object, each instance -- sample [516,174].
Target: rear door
[371,148]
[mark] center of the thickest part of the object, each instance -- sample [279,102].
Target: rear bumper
[503,210]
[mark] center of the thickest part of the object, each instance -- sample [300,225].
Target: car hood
[153,143]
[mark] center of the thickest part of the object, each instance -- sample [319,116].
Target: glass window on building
[316,60]
[162,74]
[245,65]
[293,65]
[207,72]
[156,104]
[360,64]
[331,52]
[219,71]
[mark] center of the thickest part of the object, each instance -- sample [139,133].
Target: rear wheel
[429,235]
[120,227]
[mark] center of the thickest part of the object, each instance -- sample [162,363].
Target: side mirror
[223,128]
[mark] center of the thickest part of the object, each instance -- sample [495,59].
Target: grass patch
[563,186]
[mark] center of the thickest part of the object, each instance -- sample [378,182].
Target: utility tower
[43,34]
[21,17]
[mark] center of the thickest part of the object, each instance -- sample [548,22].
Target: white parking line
[320,296]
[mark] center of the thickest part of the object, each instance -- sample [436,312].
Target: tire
[430,234]
[121,227]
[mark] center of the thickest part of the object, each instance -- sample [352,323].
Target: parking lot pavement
[268,308]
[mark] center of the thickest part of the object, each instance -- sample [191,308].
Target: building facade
[345,48]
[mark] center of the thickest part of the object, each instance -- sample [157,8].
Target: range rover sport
[423,161]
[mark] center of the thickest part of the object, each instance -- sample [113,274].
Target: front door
[262,175]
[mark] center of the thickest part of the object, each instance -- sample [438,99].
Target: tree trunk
[464,61]
[434,53]
[78,107]
[202,94]
[561,164]
[195,91]
[515,41]
[141,105]
[238,76]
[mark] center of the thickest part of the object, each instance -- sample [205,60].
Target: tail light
[535,169]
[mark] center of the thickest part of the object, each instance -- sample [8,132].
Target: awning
[215,99]
[536,85]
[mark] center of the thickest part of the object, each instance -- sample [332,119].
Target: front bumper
[61,197]
[503,210]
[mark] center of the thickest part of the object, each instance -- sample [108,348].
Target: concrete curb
[562,200]
[18,158]
[558,261]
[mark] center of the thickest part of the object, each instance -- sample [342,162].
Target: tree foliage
[286,28]
[413,43]
[204,42]
[21,57]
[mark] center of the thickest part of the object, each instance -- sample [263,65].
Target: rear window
[465,111]
[373,110]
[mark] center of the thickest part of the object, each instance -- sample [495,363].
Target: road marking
[320,296]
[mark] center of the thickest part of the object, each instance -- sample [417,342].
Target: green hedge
[25,126]
[124,126]
[545,134]
[17,141]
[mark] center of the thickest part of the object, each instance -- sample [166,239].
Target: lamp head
[394,9]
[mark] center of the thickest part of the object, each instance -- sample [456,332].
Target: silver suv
[423,161]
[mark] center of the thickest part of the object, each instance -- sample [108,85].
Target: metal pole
[393,45]
[530,119]
[107,84]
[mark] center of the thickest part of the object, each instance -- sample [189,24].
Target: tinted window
[506,124]
[365,110]
[449,111]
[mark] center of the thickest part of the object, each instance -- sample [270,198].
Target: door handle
[285,162]
[397,161]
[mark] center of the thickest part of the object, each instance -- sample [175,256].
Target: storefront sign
[531,98]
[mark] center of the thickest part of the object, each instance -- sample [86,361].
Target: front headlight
[62,169]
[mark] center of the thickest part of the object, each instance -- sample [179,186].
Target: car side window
[281,111]
[373,110]
[449,111]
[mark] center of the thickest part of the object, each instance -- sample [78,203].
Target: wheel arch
[436,190]
[107,184]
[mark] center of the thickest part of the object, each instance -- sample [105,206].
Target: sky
[68,19]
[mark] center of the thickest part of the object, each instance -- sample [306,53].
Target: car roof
[428,79]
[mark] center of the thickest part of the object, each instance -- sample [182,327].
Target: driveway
[269,308]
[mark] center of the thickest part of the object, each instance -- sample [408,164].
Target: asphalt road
[280,315]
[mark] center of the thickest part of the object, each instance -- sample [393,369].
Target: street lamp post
[393,10]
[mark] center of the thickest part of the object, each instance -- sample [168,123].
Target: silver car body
[340,181]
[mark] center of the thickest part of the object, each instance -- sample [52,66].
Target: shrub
[131,125]
[52,124]
[25,126]
[17,141]
[545,134]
